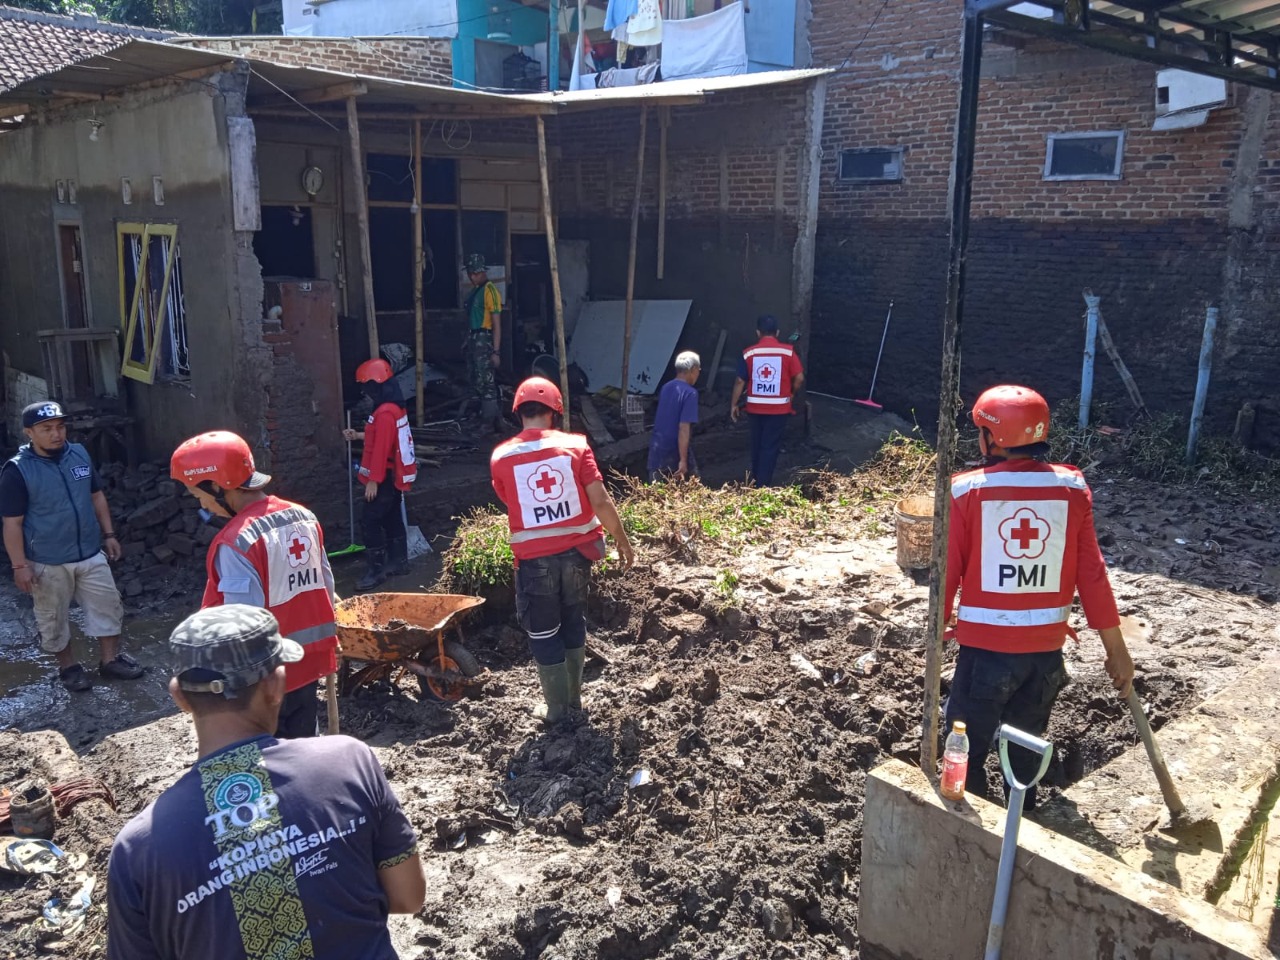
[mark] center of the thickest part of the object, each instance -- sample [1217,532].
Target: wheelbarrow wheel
[456,657]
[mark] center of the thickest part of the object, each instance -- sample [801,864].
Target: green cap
[228,648]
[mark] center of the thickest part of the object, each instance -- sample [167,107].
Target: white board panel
[656,326]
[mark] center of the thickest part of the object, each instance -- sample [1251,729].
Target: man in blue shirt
[670,454]
[267,849]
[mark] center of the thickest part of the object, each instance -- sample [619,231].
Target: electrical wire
[865,33]
[323,120]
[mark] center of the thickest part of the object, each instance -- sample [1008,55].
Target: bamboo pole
[554,261]
[664,120]
[421,364]
[631,259]
[362,219]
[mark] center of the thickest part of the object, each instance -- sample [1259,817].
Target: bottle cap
[958,727]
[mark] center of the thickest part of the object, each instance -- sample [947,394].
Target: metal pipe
[1090,352]
[962,163]
[553,46]
[1202,382]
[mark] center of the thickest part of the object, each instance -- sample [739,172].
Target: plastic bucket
[913,522]
[32,813]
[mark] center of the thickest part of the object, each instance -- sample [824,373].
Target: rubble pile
[162,536]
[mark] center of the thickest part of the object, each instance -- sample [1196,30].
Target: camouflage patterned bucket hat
[228,648]
[476,264]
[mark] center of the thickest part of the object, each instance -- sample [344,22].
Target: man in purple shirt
[669,451]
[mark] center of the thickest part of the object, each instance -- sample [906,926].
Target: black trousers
[382,520]
[766,443]
[551,602]
[991,688]
[299,713]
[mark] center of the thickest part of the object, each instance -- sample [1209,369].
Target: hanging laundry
[618,13]
[644,29]
[714,45]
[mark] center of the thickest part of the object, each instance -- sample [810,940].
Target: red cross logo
[766,372]
[1025,534]
[299,550]
[547,484]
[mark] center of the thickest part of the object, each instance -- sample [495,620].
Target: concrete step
[1224,756]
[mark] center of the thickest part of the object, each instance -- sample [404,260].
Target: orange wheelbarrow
[406,631]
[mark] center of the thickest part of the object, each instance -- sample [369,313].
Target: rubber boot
[574,660]
[376,571]
[555,691]
[397,557]
[488,416]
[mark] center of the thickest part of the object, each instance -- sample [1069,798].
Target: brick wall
[421,59]
[1154,244]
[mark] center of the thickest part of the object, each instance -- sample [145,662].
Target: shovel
[1179,815]
[352,547]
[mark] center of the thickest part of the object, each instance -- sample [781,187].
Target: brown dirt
[745,840]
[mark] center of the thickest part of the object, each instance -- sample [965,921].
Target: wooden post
[362,220]
[554,260]
[331,703]
[417,266]
[631,259]
[664,120]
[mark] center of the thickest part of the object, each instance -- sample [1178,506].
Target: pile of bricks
[162,536]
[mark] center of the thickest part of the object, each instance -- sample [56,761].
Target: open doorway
[532,303]
[285,246]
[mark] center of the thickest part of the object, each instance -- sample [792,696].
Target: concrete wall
[928,878]
[528,26]
[1187,225]
[178,136]
[424,18]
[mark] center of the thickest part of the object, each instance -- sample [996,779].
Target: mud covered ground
[712,805]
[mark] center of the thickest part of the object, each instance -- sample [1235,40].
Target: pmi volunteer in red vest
[1022,543]
[388,469]
[558,510]
[770,373]
[270,555]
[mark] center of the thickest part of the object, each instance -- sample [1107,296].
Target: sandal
[75,678]
[123,667]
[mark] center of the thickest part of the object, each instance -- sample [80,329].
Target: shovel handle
[1167,787]
[331,702]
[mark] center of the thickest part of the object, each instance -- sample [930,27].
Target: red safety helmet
[220,456]
[1014,416]
[541,390]
[377,371]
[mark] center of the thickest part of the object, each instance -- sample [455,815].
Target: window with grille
[152,312]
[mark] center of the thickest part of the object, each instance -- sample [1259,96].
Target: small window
[871,166]
[1084,156]
[152,311]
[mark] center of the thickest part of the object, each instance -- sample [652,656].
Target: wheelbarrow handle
[1044,748]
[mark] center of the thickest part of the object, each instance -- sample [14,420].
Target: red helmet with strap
[1014,416]
[377,371]
[220,456]
[540,390]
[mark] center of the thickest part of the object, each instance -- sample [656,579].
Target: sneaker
[123,667]
[75,678]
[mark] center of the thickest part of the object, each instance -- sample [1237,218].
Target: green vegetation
[205,17]
[480,556]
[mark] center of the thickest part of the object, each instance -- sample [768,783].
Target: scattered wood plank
[595,425]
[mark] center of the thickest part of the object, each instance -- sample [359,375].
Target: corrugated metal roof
[278,85]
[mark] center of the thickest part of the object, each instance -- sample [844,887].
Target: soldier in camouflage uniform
[484,343]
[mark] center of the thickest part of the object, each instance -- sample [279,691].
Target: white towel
[714,45]
[645,28]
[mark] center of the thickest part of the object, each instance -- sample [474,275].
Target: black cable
[866,33]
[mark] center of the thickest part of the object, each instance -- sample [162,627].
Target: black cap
[228,648]
[767,323]
[40,412]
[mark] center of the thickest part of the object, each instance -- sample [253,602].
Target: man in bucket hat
[59,537]
[266,848]
[484,340]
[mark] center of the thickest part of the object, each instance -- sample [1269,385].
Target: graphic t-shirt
[677,404]
[266,849]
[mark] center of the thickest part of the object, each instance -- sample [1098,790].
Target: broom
[352,547]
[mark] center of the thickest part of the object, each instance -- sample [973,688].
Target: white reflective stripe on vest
[1014,618]
[545,532]
[769,352]
[321,631]
[777,400]
[564,441]
[1001,478]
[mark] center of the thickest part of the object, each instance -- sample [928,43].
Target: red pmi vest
[1022,541]
[537,477]
[284,543]
[382,445]
[768,380]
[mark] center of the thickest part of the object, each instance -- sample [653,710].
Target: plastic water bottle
[955,762]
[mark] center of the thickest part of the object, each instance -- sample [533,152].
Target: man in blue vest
[57,526]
